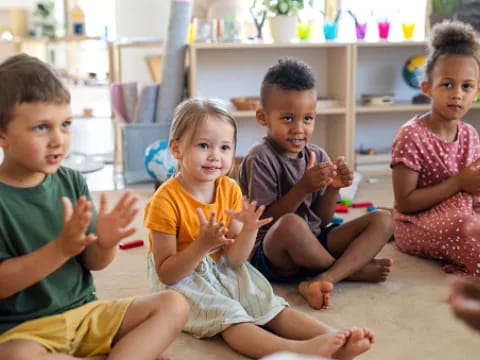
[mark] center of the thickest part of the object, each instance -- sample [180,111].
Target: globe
[159,163]
[413,71]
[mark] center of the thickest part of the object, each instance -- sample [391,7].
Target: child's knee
[176,304]
[383,219]
[288,230]
[291,224]
[20,350]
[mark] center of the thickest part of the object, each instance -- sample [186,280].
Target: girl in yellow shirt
[201,235]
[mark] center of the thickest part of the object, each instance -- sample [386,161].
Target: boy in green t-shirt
[48,246]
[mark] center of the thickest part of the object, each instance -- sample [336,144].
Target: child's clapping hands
[336,174]
[249,216]
[343,176]
[212,233]
[113,226]
[317,176]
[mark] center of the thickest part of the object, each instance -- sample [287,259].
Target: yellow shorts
[84,331]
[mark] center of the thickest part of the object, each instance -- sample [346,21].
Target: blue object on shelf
[371,208]
[337,220]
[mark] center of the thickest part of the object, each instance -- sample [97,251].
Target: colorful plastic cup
[360,30]
[304,29]
[330,30]
[408,29]
[383,29]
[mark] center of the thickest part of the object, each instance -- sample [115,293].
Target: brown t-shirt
[266,175]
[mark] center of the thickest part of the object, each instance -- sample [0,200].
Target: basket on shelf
[246,103]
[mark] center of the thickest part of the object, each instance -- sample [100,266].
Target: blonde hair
[190,113]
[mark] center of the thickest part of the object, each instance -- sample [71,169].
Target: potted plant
[44,25]
[283,19]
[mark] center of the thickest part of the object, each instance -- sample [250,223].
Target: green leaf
[283,7]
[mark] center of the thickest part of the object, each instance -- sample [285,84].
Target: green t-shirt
[29,219]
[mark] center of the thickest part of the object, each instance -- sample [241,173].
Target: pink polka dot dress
[438,233]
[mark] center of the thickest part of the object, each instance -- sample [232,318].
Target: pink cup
[383,29]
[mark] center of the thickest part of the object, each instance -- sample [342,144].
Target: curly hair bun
[453,34]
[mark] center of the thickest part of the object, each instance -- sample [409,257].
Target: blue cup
[330,30]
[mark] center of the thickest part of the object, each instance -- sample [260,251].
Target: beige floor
[409,312]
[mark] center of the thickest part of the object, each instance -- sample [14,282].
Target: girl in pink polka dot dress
[436,157]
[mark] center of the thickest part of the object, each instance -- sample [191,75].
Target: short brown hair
[26,79]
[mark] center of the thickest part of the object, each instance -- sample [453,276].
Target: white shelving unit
[344,71]
[378,69]
[231,70]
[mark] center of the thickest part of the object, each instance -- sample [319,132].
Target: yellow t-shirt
[172,210]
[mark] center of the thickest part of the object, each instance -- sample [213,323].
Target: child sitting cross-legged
[299,186]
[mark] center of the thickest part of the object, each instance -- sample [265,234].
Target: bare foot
[317,293]
[370,335]
[377,270]
[359,341]
[324,345]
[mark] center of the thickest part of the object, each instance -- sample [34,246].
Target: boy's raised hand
[212,234]
[317,176]
[250,215]
[344,175]
[113,226]
[73,240]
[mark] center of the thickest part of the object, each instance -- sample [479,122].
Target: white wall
[140,19]
[18,3]
[150,20]
[30,6]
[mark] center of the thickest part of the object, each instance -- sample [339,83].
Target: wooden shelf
[386,43]
[252,45]
[139,43]
[320,111]
[70,38]
[300,44]
[399,108]
[392,108]
[226,70]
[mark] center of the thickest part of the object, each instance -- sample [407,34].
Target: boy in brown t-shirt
[299,185]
